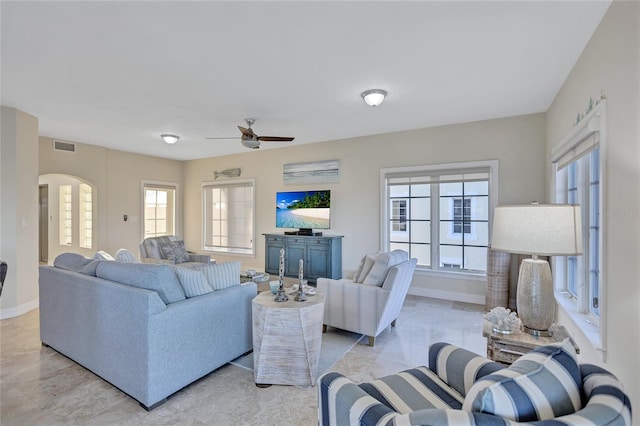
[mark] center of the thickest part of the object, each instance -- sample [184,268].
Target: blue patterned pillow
[175,252]
[542,384]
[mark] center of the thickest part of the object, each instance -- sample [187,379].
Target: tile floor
[38,386]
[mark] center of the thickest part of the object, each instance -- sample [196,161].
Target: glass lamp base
[538,333]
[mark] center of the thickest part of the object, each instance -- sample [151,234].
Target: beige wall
[19,211]
[517,142]
[611,62]
[117,177]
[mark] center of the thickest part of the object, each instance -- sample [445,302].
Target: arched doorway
[67,216]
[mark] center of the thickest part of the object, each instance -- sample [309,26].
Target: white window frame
[85,215]
[149,184]
[590,131]
[438,169]
[247,251]
[65,202]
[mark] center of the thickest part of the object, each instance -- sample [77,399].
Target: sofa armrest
[202,258]
[458,367]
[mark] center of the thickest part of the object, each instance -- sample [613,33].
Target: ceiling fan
[251,140]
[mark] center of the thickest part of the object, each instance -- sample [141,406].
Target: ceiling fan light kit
[170,139]
[374,97]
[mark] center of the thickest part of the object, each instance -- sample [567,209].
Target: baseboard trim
[19,310]
[448,295]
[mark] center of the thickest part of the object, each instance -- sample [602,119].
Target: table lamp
[537,230]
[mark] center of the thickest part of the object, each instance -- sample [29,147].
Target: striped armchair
[460,388]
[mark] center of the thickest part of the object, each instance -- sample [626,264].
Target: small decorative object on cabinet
[506,348]
[321,255]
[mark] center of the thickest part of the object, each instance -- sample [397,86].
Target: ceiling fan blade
[274,139]
[247,132]
[229,138]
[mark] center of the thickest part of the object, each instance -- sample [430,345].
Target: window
[440,214]
[229,216]
[65,234]
[578,179]
[399,215]
[159,210]
[86,215]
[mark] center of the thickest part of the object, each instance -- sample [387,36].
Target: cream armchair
[370,306]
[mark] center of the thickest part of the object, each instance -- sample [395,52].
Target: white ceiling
[118,74]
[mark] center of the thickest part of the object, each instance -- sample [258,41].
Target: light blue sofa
[148,342]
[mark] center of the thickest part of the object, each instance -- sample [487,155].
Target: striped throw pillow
[193,281]
[541,385]
[222,275]
[124,255]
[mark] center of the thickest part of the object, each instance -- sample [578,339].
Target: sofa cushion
[71,261]
[124,255]
[542,384]
[103,255]
[222,275]
[384,261]
[159,278]
[193,281]
[175,252]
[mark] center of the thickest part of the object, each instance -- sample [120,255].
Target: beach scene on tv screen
[303,209]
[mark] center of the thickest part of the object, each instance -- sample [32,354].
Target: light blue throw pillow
[193,281]
[222,275]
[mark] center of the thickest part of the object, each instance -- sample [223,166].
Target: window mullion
[435,225]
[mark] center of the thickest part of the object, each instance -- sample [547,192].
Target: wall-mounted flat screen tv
[303,209]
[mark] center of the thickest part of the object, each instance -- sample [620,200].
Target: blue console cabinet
[322,255]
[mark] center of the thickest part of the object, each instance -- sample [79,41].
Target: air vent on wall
[64,146]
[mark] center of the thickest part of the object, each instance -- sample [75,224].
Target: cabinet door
[272,254]
[296,249]
[319,258]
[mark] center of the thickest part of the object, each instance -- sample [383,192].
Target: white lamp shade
[374,97]
[170,139]
[540,229]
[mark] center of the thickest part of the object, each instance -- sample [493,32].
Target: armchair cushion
[543,384]
[384,261]
[364,268]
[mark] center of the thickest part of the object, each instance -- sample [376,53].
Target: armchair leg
[324,328]
[372,340]
[393,323]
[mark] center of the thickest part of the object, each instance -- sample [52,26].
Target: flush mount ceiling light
[374,97]
[170,139]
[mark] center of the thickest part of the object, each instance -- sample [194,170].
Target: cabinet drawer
[279,240]
[318,242]
[296,241]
